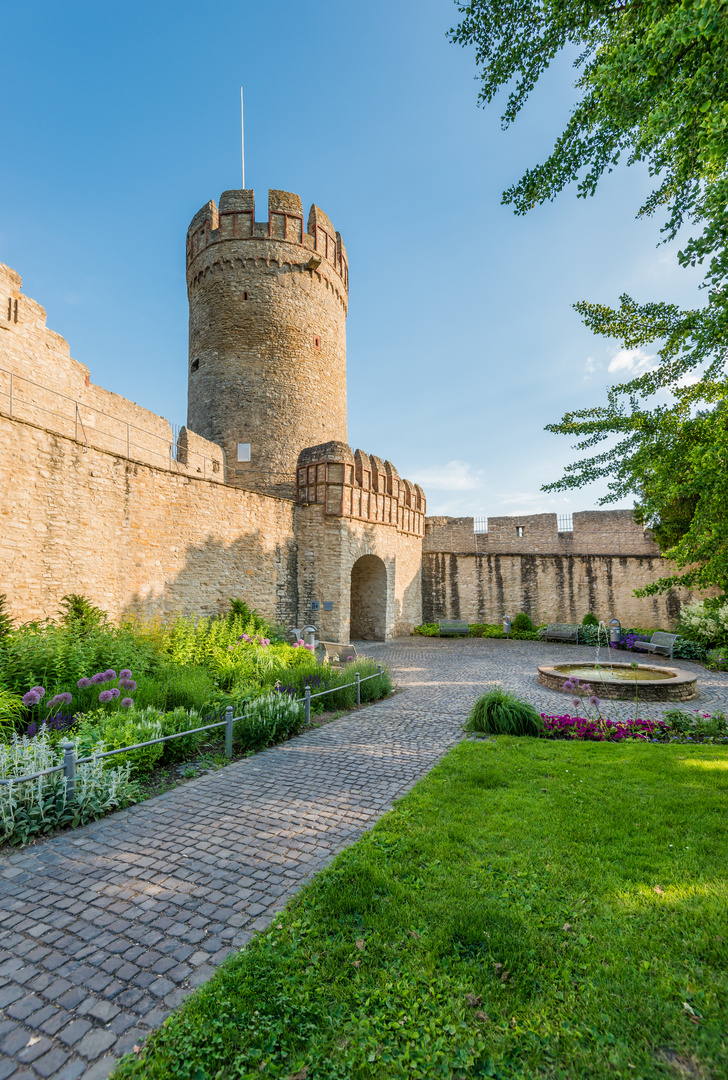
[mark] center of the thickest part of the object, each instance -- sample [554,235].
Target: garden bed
[508,918]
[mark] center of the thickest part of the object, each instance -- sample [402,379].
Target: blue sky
[121,120]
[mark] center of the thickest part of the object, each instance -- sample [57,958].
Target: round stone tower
[267,363]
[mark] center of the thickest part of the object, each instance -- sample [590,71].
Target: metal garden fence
[70,761]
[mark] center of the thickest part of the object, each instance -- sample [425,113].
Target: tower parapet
[358,485]
[267,361]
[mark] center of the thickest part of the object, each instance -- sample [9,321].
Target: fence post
[229,731]
[358,688]
[69,769]
[307,705]
[379,670]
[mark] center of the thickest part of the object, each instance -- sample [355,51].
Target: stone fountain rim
[679,681]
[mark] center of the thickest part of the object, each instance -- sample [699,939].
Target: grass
[530,909]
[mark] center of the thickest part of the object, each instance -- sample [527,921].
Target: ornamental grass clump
[38,806]
[500,712]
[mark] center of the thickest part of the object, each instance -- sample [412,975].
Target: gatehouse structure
[260,496]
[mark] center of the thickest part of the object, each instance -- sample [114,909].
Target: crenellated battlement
[232,224]
[358,485]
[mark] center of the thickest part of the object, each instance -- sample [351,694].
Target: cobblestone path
[105,929]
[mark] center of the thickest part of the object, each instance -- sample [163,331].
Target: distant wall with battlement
[594,532]
[524,563]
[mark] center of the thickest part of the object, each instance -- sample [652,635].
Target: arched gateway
[368,599]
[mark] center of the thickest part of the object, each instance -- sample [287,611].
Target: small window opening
[10,309]
[316,341]
[195,365]
[245,296]
[243,451]
[520,530]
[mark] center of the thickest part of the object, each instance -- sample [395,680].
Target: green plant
[116,729]
[181,720]
[522,622]
[696,727]
[428,629]
[6,622]
[172,686]
[500,712]
[590,620]
[705,621]
[11,709]
[79,614]
[28,809]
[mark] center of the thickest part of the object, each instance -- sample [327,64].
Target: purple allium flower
[99,677]
[309,647]
[110,674]
[126,702]
[38,690]
[125,673]
[128,684]
[31,698]
[585,689]
[568,685]
[83,684]
[106,696]
[115,693]
[349,659]
[593,700]
[575,702]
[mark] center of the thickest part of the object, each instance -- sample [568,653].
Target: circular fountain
[646,682]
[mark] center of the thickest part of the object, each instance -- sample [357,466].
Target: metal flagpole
[242,136]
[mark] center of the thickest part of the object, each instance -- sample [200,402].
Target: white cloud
[591,365]
[455,476]
[631,361]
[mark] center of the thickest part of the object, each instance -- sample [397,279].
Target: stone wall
[41,383]
[130,536]
[549,588]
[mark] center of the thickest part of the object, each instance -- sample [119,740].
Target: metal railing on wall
[64,415]
[70,761]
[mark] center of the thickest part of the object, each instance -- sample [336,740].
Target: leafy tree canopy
[653,84]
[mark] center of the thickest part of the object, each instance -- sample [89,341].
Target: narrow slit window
[245,296]
[316,341]
[10,309]
[243,451]
[520,531]
[194,366]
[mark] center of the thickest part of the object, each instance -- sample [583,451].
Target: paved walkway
[104,930]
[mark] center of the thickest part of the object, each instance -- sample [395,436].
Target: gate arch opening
[368,610]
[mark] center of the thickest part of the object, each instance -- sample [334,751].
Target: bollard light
[615,631]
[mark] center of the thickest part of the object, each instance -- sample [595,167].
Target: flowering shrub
[38,806]
[269,719]
[110,731]
[706,621]
[596,730]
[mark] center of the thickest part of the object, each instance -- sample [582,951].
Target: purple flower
[83,684]
[244,637]
[568,685]
[115,693]
[31,698]
[125,673]
[126,702]
[349,659]
[38,690]
[32,728]
[575,702]
[109,674]
[106,696]
[129,684]
[99,677]
[594,701]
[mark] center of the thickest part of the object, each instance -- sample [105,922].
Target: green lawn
[530,909]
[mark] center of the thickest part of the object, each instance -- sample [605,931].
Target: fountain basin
[647,682]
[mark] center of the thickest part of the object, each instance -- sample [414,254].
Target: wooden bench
[660,643]
[453,627]
[561,632]
[337,652]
